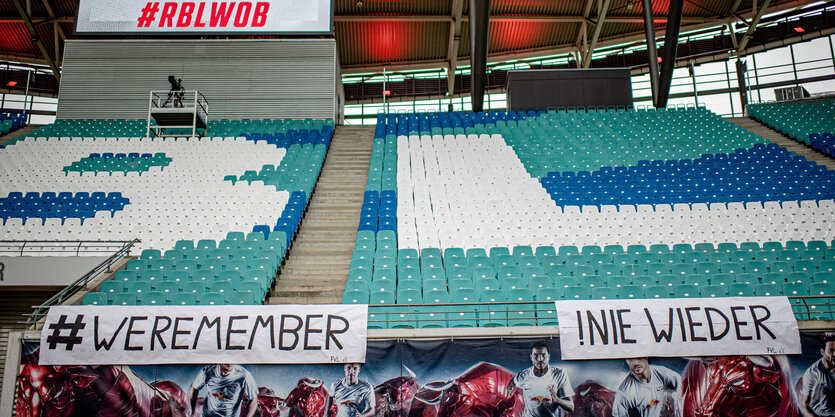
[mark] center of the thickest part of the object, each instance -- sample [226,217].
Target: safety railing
[61,247]
[81,284]
[191,105]
[527,313]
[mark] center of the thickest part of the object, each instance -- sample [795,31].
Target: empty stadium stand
[809,122]
[784,141]
[215,215]
[9,122]
[517,207]
[12,124]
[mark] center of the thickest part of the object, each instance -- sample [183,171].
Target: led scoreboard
[139,17]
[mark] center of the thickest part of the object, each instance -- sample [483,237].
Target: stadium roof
[414,34]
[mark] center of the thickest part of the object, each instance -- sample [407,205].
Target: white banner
[140,335]
[677,327]
[196,17]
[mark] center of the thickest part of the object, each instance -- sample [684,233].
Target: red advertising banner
[452,378]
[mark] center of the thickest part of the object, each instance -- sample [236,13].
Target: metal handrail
[418,316]
[27,247]
[192,102]
[79,284]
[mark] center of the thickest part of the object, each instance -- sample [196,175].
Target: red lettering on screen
[221,14]
[169,10]
[186,9]
[259,17]
[198,21]
[190,14]
[242,18]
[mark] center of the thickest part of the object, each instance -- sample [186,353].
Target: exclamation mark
[580,326]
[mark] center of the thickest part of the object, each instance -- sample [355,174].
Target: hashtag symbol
[148,14]
[70,340]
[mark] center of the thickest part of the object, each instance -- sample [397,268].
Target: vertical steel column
[26,96]
[479,28]
[692,70]
[741,69]
[385,105]
[794,66]
[730,95]
[757,78]
[670,50]
[652,52]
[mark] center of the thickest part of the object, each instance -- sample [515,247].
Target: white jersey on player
[225,394]
[645,399]
[352,400]
[538,402]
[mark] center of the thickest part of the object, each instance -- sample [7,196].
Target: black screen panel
[527,89]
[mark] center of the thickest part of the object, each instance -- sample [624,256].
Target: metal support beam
[56,41]
[754,21]
[735,6]
[38,20]
[454,42]
[731,33]
[670,49]
[584,26]
[630,37]
[479,28]
[51,14]
[741,69]
[652,52]
[600,19]
[494,18]
[36,39]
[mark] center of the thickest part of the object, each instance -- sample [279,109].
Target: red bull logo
[221,396]
[539,399]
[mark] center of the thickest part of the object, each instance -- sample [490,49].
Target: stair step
[317,265]
[786,142]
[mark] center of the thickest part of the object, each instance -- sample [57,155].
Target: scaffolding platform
[167,110]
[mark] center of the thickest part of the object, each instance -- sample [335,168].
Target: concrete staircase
[317,266]
[19,132]
[778,138]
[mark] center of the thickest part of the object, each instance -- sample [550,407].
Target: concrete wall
[47,271]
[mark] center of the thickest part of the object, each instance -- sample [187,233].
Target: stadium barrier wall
[40,270]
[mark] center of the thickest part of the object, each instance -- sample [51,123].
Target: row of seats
[379,211]
[9,122]
[382,166]
[120,162]
[762,173]
[784,265]
[321,136]
[288,224]
[172,298]
[535,307]
[797,120]
[298,171]
[238,263]
[722,284]
[824,142]
[61,206]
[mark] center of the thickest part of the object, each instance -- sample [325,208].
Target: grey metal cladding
[110,79]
